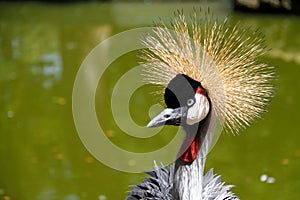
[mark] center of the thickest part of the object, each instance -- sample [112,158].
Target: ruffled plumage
[160,183]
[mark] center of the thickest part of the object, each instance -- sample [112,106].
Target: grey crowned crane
[211,74]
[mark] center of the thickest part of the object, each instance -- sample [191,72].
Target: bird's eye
[190,102]
[166,116]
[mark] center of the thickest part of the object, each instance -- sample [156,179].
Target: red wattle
[191,153]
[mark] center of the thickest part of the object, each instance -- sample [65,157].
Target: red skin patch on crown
[200,91]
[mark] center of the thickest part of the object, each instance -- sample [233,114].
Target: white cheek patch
[199,110]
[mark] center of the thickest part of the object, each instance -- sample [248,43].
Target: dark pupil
[190,102]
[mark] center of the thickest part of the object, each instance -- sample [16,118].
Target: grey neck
[188,177]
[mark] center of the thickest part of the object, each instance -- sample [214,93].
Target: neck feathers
[188,177]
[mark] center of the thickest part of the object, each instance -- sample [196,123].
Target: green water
[41,154]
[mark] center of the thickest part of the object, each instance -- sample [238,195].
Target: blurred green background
[41,155]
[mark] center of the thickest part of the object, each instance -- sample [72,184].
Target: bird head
[187,103]
[235,85]
[209,69]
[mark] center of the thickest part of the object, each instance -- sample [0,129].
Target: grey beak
[168,116]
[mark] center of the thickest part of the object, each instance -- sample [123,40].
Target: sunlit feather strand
[222,58]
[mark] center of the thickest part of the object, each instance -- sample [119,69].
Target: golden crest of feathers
[221,57]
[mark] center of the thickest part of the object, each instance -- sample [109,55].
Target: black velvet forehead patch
[179,90]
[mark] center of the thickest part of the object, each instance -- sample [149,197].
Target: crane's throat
[191,152]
